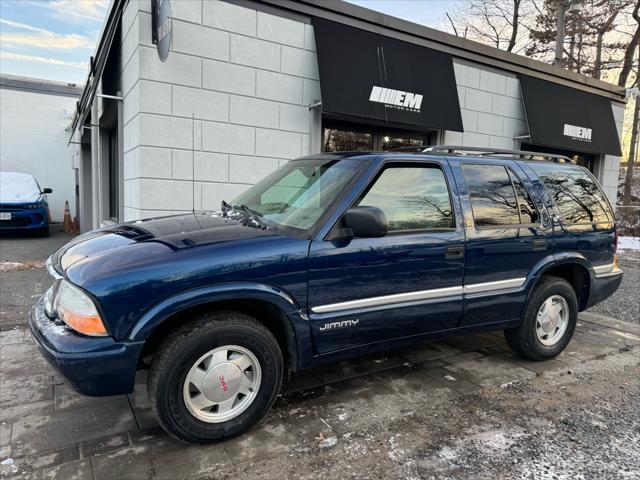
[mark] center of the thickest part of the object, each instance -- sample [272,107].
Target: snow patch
[6,266]
[629,243]
[328,442]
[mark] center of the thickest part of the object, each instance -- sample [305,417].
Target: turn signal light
[87,325]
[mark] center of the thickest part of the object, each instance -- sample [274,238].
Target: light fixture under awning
[376,79]
[567,118]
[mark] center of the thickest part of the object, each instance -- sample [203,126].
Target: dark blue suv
[329,257]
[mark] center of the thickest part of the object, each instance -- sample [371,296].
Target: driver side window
[412,198]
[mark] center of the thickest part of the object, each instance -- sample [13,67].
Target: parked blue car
[23,204]
[329,257]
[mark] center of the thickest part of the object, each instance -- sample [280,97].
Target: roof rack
[496,152]
[485,152]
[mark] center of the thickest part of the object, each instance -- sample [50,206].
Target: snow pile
[629,243]
[18,188]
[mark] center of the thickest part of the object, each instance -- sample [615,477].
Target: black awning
[380,79]
[568,118]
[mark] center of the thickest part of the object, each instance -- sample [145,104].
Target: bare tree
[627,63]
[602,28]
[494,22]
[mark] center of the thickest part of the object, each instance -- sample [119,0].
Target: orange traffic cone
[76,225]
[68,224]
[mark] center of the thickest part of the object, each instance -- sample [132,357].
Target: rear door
[586,224]
[367,290]
[506,238]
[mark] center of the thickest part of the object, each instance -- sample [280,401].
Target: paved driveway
[419,412]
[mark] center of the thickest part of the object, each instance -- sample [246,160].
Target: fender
[554,260]
[550,261]
[297,320]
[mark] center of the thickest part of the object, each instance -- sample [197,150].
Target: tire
[43,231]
[525,338]
[187,352]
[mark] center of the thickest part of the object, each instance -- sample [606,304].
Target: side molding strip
[436,293]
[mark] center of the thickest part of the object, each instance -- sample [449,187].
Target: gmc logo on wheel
[223,384]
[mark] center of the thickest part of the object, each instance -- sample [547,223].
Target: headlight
[77,310]
[32,206]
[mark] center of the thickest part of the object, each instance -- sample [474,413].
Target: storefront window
[395,142]
[336,140]
[348,137]
[586,160]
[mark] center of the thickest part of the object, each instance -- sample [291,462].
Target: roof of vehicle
[471,153]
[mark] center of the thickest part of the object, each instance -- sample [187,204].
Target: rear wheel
[549,320]
[215,377]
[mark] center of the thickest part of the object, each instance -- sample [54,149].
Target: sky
[426,12]
[53,39]
[50,39]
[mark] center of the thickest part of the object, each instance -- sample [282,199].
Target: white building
[34,118]
[248,84]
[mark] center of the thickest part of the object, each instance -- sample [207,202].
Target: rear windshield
[576,194]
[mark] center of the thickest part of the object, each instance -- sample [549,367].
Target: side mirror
[47,190]
[366,222]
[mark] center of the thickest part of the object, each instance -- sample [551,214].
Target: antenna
[193,163]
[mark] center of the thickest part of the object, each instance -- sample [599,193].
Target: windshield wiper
[250,217]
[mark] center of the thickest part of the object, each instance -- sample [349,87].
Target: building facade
[248,85]
[34,137]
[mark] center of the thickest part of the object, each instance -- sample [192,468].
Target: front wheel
[215,377]
[549,320]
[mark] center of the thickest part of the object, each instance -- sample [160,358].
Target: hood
[18,187]
[163,234]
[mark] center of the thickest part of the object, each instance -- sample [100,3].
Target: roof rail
[496,152]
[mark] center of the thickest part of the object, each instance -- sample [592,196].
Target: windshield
[300,192]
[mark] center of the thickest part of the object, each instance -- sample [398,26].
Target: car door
[408,282]
[508,234]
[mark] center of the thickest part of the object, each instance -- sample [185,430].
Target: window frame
[508,170]
[407,164]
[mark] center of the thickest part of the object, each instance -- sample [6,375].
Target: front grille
[15,222]
[11,208]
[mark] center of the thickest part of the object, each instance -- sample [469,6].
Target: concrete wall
[611,165]
[491,107]
[245,76]
[33,140]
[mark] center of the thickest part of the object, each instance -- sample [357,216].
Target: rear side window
[412,198]
[577,196]
[492,197]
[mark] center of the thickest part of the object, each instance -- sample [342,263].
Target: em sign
[161,27]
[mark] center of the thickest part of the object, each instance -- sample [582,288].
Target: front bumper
[95,366]
[25,218]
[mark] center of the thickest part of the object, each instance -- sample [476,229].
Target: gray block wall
[491,107]
[246,77]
